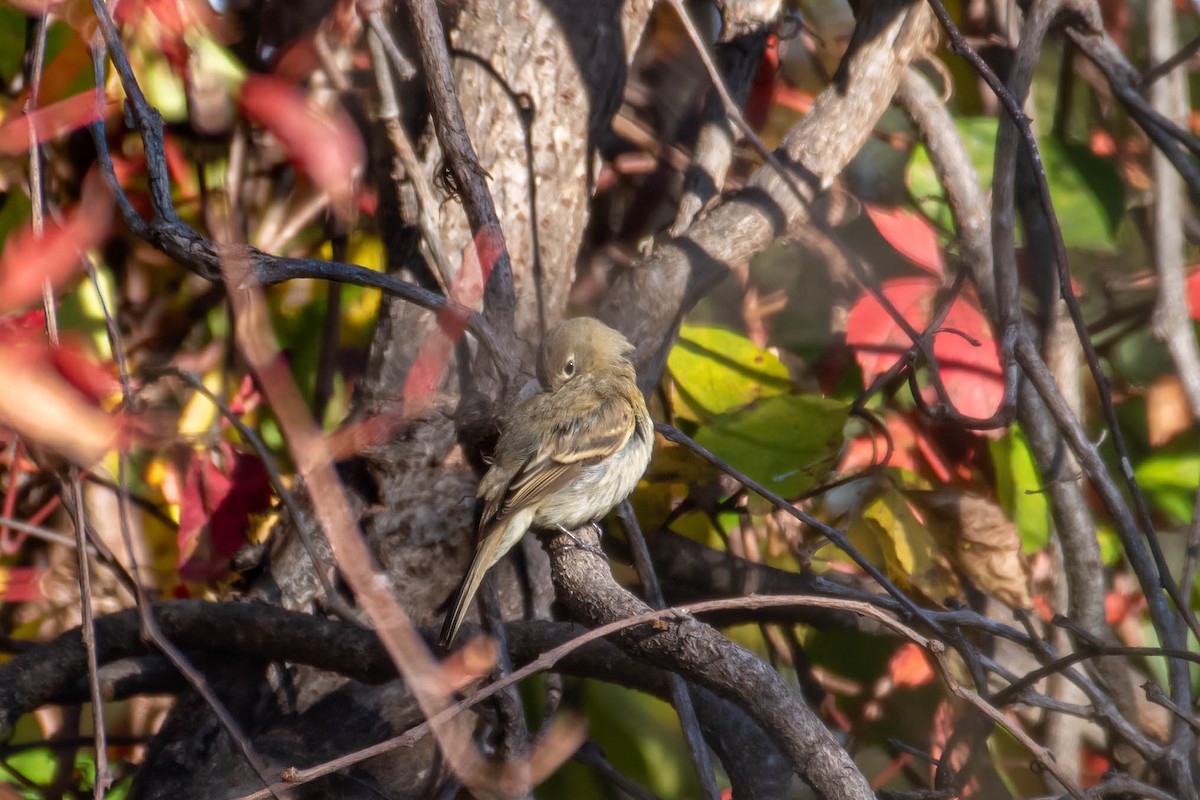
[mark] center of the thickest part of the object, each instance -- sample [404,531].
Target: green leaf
[1087,191]
[38,765]
[1019,489]
[979,139]
[14,213]
[1170,479]
[788,443]
[12,43]
[716,371]
[1088,195]
[911,555]
[1111,548]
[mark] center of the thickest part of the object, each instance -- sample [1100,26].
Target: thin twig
[38,532]
[150,627]
[406,163]
[499,293]
[1134,527]
[299,518]
[944,410]
[37,185]
[547,660]
[379,27]
[680,696]
[1168,65]
[838,538]
[592,755]
[103,777]
[73,484]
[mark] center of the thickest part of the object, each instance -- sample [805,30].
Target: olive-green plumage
[568,454]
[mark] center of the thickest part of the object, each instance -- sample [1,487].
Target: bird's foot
[594,549]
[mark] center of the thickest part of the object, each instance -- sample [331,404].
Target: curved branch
[703,656]
[890,34]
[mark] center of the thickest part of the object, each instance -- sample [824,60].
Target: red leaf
[35,8]
[20,324]
[794,99]
[910,445]
[214,512]
[1193,291]
[972,376]
[327,148]
[758,104]
[90,379]
[21,584]
[911,235]
[19,132]
[28,261]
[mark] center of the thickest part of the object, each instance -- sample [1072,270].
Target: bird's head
[580,346]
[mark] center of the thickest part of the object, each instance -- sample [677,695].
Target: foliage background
[768,372]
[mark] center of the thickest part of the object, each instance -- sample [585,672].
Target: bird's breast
[601,486]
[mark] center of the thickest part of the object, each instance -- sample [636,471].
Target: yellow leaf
[911,554]
[199,413]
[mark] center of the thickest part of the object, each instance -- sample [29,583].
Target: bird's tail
[485,557]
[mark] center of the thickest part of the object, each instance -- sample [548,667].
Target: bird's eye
[569,369]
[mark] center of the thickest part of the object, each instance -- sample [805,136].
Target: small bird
[568,454]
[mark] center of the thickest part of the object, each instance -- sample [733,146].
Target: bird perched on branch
[568,454]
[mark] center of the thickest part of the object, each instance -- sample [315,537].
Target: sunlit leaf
[911,554]
[971,374]
[1170,479]
[789,443]
[911,235]
[1086,190]
[1019,489]
[42,406]
[715,371]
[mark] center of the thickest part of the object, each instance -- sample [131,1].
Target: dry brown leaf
[980,539]
[1167,412]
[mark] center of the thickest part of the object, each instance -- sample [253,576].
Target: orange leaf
[909,667]
[19,132]
[40,405]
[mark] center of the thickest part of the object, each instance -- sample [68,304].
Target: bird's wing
[603,422]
